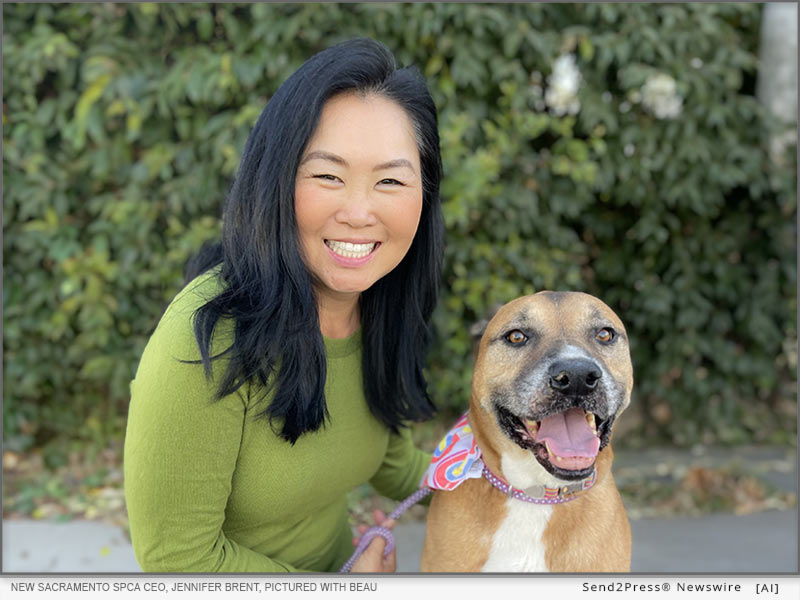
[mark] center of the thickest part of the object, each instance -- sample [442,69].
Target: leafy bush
[123,126]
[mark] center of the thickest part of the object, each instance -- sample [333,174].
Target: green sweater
[210,488]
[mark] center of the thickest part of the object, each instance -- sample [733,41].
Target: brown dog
[553,373]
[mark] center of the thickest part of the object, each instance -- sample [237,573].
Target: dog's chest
[517,544]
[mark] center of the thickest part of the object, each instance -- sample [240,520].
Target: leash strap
[386,534]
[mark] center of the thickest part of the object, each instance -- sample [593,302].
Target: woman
[310,320]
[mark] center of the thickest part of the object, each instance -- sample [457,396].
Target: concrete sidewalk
[74,547]
[722,543]
[759,543]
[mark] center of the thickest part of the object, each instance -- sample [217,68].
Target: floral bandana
[455,459]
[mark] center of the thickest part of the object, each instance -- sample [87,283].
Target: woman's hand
[373,561]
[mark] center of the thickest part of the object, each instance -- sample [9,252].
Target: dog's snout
[575,376]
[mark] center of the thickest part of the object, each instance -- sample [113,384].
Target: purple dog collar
[550,496]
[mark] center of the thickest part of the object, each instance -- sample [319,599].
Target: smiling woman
[288,369]
[358,199]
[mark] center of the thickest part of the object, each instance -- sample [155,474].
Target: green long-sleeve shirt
[210,488]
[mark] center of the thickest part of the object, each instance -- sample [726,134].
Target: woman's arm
[181,450]
[402,468]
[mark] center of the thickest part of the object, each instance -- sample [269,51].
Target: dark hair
[277,339]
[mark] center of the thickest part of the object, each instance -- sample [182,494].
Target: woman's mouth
[351,250]
[351,254]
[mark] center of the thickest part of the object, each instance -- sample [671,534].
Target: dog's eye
[605,335]
[516,337]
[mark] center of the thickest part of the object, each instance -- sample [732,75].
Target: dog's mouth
[565,443]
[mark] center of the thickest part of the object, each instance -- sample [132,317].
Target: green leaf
[91,95]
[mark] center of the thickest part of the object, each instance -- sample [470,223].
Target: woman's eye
[326,177]
[390,181]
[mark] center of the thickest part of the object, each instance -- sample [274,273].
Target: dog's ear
[478,328]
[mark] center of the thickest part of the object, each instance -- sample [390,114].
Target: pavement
[759,543]
[75,547]
[765,542]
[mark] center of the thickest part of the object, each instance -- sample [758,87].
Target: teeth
[350,250]
[551,456]
[591,421]
[533,426]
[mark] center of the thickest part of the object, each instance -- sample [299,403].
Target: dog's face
[554,372]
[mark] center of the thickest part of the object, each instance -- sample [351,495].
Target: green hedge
[123,126]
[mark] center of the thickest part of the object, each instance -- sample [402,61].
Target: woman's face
[358,193]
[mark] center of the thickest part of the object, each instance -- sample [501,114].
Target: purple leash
[376,531]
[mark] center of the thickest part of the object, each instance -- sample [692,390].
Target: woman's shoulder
[171,396]
[196,293]
[175,329]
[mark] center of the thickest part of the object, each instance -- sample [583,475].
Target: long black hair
[277,343]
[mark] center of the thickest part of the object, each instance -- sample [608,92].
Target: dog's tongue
[570,438]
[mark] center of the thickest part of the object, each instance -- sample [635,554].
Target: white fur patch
[571,352]
[517,545]
[523,471]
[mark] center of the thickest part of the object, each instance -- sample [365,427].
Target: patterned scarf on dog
[455,459]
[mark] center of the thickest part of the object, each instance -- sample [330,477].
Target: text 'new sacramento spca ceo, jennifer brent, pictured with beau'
[286,371]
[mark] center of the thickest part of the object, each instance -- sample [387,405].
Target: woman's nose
[357,210]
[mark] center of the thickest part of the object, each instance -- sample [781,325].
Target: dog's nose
[574,376]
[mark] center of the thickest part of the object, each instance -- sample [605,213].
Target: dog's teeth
[591,421]
[532,426]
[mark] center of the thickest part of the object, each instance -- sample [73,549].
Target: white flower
[660,96]
[563,84]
